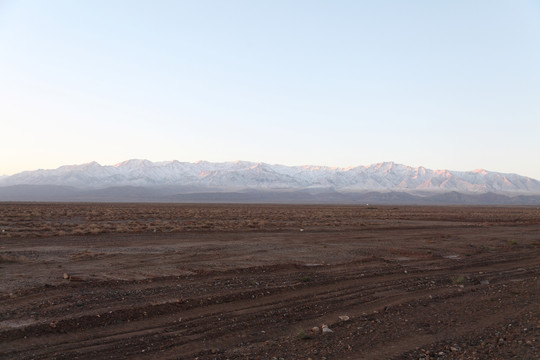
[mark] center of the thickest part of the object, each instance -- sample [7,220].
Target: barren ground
[95,281]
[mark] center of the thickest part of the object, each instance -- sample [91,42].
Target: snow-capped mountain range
[243,175]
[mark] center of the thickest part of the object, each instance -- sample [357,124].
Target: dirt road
[259,282]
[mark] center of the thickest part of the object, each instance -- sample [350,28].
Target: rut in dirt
[254,314]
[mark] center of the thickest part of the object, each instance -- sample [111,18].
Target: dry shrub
[121,228]
[95,231]
[82,255]
[8,258]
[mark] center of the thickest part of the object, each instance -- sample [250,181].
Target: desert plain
[188,281]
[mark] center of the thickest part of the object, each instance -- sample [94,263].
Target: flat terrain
[96,281]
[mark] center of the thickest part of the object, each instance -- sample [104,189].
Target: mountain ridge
[159,180]
[378,176]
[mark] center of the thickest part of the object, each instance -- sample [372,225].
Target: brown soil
[95,281]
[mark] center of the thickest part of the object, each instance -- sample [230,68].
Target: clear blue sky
[442,84]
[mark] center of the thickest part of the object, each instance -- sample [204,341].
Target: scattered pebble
[344,318]
[326,329]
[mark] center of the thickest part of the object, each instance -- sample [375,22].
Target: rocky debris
[315,330]
[73,277]
[344,318]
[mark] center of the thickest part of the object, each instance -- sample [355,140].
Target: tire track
[386,290]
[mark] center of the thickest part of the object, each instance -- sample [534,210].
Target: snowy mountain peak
[92,164]
[386,165]
[134,163]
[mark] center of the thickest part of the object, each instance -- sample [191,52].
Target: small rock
[484,282]
[454,348]
[326,329]
[66,276]
[315,329]
[344,318]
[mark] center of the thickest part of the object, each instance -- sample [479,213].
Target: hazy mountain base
[310,196]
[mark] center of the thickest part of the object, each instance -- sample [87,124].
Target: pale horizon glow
[443,85]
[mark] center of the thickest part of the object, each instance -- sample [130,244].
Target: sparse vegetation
[303,335]
[47,220]
[8,258]
[458,280]
[488,248]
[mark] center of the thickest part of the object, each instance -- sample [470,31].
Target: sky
[440,84]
